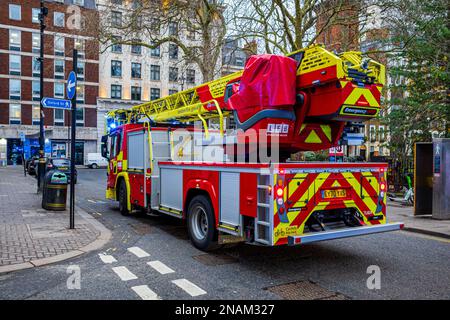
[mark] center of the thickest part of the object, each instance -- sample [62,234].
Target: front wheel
[123,208]
[201,223]
[94,166]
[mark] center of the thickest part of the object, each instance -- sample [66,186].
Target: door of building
[79,153]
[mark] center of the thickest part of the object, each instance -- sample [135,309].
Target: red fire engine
[217,178]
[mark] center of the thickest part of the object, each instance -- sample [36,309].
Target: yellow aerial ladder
[206,101]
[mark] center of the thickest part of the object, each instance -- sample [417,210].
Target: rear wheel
[201,223]
[123,199]
[94,166]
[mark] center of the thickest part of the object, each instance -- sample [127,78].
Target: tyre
[94,166]
[123,199]
[201,223]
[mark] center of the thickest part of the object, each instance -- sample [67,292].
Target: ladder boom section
[306,97]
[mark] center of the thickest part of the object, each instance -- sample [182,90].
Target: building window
[14,12]
[59,69]
[59,90]
[59,45]
[372,134]
[116,19]
[381,134]
[173,74]
[79,44]
[155,52]
[36,42]
[190,76]
[116,91]
[36,66]
[135,93]
[79,2]
[172,91]
[190,33]
[80,93]
[119,2]
[136,49]
[15,65]
[14,89]
[116,68]
[14,40]
[79,117]
[36,115]
[135,70]
[80,70]
[35,15]
[173,28]
[59,117]
[155,72]
[36,90]
[58,19]
[14,113]
[173,51]
[155,93]
[155,25]
[116,47]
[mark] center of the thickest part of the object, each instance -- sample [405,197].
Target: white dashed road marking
[124,273]
[160,267]
[145,293]
[189,287]
[138,252]
[106,258]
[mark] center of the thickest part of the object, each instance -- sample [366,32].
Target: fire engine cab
[231,178]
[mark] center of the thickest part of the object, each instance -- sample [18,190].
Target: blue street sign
[56,103]
[71,85]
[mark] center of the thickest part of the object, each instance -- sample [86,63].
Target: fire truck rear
[159,163]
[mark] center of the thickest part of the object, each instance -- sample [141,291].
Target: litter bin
[54,193]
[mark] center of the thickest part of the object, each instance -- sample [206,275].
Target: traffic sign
[56,103]
[71,85]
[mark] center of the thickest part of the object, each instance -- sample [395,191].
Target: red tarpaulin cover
[268,81]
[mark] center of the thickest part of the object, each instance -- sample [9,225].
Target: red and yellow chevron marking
[366,97]
[313,133]
[303,197]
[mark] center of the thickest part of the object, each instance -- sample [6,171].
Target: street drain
[215,259]
[305,290]
[141,229]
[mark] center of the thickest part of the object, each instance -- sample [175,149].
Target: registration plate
[62,168]
[335,193]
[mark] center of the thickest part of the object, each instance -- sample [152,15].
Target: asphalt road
[411,266]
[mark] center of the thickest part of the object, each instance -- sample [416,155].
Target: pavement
[31,236]
[424,224]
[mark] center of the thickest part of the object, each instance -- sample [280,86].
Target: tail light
[280,192]
[383,186]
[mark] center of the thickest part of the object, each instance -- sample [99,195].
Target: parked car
[61,164]
[95,160]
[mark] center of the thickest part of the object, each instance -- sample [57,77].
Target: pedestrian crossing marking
[138,252]
[160,267]
[106,258]
[192,289]
[145,293]
[124,274]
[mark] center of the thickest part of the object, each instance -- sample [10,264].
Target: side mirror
[104,147]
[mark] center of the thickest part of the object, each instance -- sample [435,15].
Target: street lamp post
[41,167]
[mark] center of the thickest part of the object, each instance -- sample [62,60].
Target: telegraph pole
[41,167]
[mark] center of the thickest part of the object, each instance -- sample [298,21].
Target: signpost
[71,89]
[56,103]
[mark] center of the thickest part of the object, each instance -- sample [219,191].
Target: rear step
[346,233]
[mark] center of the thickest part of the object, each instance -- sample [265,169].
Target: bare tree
[283,26]
[197,27]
